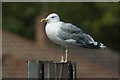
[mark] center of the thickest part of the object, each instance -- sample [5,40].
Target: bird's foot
[63,61]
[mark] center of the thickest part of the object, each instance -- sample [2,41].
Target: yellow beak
[44,20]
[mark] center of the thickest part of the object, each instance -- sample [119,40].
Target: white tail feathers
[102,46]
[99,45]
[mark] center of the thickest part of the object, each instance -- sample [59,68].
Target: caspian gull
[68,35]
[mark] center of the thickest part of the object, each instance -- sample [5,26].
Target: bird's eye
[53,17]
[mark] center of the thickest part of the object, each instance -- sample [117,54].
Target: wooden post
[46,70]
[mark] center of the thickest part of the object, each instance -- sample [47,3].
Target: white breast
[51,31]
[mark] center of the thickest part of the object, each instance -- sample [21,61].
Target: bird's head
[51,18]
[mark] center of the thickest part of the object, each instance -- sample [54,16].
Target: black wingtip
[101,46]
[93,46]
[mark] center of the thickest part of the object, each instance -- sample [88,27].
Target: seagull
[68,35]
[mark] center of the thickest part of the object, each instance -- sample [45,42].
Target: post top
[50,61]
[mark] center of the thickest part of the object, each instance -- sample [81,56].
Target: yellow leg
[62,60]
[66,55]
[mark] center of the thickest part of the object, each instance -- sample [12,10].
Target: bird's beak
[44,20]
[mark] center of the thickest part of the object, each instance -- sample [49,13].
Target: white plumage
[67,34]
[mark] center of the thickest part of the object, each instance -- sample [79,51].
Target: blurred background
[24,39]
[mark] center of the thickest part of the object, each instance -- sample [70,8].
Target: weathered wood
[35,69]
[46,70]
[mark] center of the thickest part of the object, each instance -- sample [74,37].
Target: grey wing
[70,28]
[70,32]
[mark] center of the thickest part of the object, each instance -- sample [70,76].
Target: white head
[51,18]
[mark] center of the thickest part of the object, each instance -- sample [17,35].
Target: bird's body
[52,33]
[72,36]
[67,34]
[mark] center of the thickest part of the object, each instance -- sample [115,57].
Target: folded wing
[72,34]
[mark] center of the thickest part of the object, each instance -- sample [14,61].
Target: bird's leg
[66,54]
[62,58]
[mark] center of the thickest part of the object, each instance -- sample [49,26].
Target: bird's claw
[63,61]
